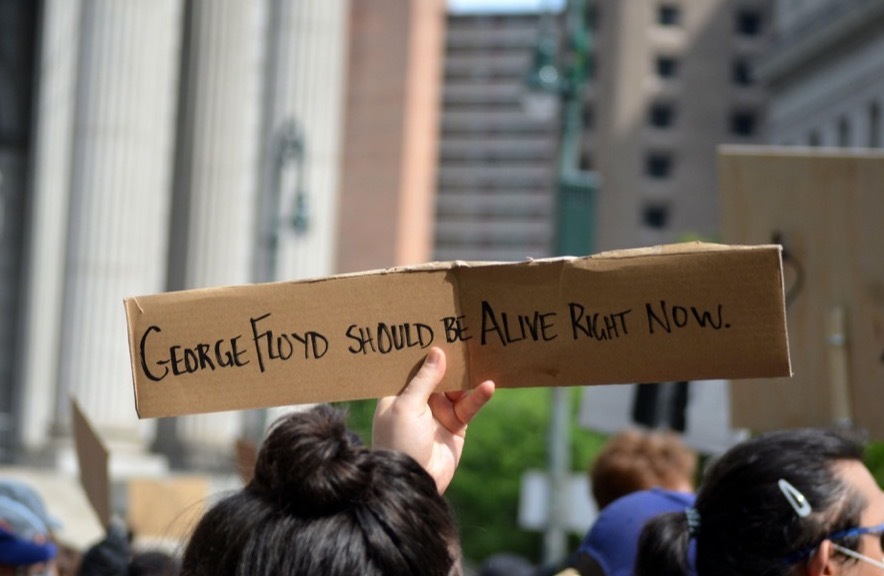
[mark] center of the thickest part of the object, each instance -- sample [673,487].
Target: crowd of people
[320,501]
[29,543]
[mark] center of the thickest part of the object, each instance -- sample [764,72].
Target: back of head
[743,524]
[612,540]
[321,503]
[153,563]
[635,460]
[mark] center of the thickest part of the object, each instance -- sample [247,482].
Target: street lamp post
[574,226]
[287,176]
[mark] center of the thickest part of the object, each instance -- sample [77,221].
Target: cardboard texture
[686,311]
[827,206]
[166,508]
[92,457]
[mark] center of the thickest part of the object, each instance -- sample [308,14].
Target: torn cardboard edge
[93,459]
[687,311]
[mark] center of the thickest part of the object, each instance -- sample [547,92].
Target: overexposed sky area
[503,6]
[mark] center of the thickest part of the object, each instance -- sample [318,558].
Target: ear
[824,561]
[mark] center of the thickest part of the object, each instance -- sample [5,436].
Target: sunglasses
[803,509]
[859,531]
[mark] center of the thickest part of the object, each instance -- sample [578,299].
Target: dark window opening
[748,23]
[743,123]
[874,125]
[668,15]
[588,116]
[658,165]
[667,67]
[592,17]
[655,216]
[843,132]
[661,115]
[742,73]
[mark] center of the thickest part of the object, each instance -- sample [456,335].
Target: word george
[597,326]
[681,316]
[531,327]
[385,339]
[223,353]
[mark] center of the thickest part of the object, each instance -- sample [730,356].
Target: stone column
[47,224]
[117,232]
[217,176]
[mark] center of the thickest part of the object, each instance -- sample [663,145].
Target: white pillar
[47,228]
[124,119]
[218,178]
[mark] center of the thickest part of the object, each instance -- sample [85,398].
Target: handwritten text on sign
[681,312]
[266,345]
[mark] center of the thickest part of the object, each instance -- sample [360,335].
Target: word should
[385,338]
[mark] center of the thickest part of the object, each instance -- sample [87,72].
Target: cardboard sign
[826,207]
[166,508]
[92,457]
[679,312]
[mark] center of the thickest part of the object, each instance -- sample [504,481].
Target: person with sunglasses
[788,503]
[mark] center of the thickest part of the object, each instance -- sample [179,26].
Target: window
[586,162]
[874,125]
[748,23]
[843,132]
[593,16]
[655,215]
[743,123]
[813,139]
[658,165]
[741,73]
[667,67]
[661,115]
[668,15]
[588,115]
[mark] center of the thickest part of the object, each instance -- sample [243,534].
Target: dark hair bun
[311,464]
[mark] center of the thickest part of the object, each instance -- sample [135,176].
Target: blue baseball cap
[28,497]
[15,551]
[612,540]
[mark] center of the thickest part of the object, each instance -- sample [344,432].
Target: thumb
[418,390]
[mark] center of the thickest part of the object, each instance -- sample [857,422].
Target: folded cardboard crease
[688,311]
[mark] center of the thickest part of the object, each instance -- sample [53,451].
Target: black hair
[153,563]
[322,503]
[746,524]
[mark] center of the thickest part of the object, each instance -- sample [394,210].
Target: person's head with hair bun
[322,503]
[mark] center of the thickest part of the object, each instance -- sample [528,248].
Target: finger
[419,388]
[470,404]
[443,412]
[455,416]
